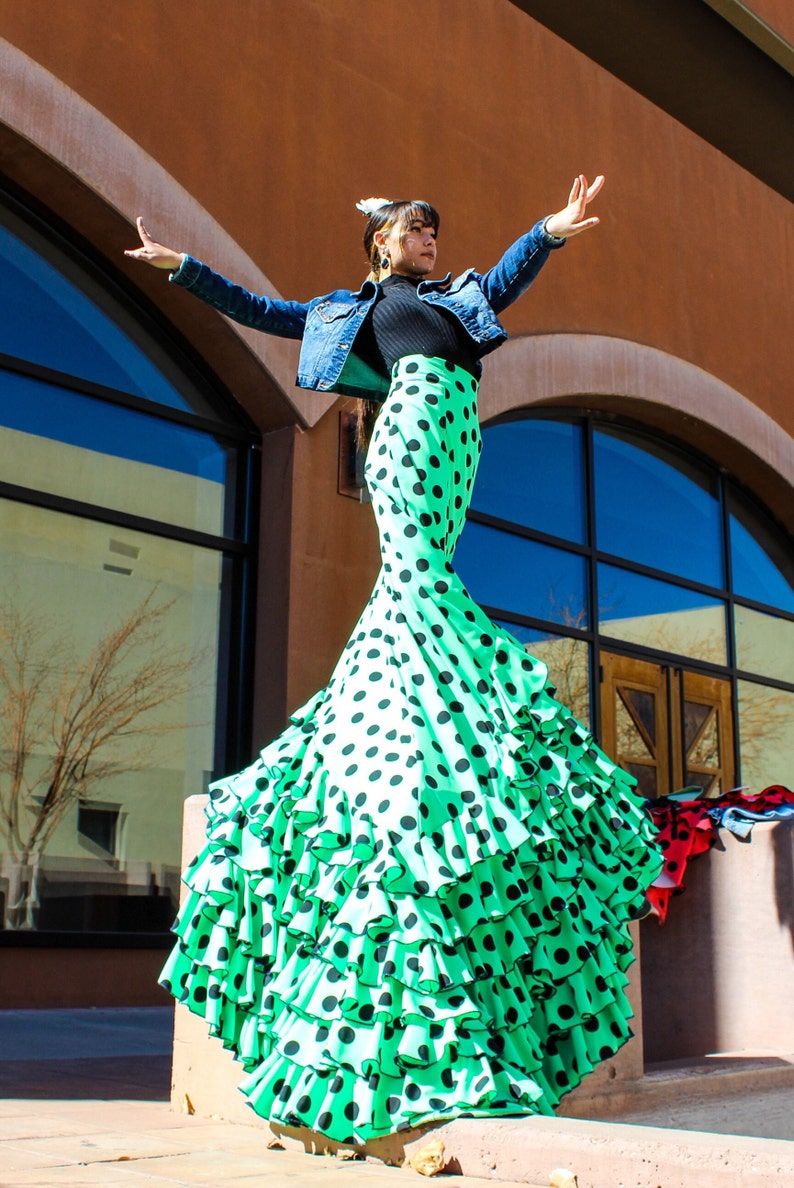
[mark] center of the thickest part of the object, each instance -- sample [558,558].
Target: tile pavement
[72,1114]
[84,1100]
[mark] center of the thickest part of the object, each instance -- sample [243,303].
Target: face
[412,252]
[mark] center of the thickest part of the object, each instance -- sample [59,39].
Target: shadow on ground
[74,1055]
[132,1078]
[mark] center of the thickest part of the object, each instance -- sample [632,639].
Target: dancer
[414,904]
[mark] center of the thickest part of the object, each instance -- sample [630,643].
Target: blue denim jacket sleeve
[506,281]
[287,319]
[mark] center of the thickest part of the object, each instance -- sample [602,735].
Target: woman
[414,904]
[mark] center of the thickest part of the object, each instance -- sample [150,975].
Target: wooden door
[634,715]
[705,736]
[670,728]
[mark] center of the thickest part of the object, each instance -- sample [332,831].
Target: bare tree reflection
[567,658]
[69,723]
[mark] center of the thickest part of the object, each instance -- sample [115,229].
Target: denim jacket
[328,325]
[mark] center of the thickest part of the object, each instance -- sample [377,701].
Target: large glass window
[761,556]
[506,569]
[534,476]
[124,487]
[589,540]
[660,615]
[56,314]
[766,734]
[657,507]
[81,447]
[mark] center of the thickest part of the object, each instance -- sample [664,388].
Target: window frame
[237,545]
[599,640]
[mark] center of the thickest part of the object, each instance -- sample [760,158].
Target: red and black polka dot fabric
[688,828]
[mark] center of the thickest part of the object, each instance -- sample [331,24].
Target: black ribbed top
[400,324]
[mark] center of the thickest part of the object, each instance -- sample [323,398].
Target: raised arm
[506,281]
[286,319]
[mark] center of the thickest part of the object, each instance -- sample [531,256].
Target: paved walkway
[84,1101]
[123,1144]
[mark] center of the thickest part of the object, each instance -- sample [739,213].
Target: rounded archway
[659,391]
[71,158]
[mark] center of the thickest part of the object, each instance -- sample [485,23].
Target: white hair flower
[368,206]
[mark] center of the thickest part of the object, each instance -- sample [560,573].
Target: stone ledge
[602,1154]
[611,1155]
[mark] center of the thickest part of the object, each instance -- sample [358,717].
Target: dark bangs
[410,212]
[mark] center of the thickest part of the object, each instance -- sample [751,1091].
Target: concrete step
[612,1154]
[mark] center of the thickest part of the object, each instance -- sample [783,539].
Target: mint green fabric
[414,905]
[359,379]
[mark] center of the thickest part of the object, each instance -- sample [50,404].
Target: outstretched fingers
[141,253]
[587,194]
[573,218]
[152,252]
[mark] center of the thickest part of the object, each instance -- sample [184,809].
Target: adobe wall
[334,560]
[778,14]
[714,975]
[280,124]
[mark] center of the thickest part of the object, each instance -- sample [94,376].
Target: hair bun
[368,206]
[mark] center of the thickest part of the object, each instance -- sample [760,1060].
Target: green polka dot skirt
[414,905]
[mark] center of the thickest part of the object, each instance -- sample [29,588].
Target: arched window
[126,539]
[658,593]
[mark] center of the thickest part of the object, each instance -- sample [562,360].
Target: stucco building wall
[269,133]
[277,127]
[778,14]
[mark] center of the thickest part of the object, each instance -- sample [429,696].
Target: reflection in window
[762,561]
[524,576]
[111,621]
[568,662]
[69,444]
[112,678]
[764,643]
[98,825]
[766,735]
[660,615]
[53,314]
[657,508]
[531,473]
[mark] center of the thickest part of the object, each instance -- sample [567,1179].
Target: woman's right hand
[154,253]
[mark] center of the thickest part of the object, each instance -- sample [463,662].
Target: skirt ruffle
[414,905]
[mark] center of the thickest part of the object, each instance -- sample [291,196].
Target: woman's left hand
[572,220]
